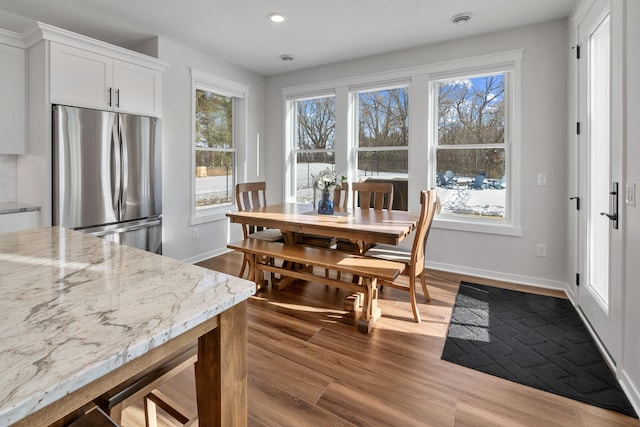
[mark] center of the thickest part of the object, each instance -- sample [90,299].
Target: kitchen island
[80,315]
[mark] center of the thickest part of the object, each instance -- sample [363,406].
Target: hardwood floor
[309,366]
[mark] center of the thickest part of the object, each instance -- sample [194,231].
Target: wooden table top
[368,225]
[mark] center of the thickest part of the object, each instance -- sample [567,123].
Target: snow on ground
[464,201]
[458,200]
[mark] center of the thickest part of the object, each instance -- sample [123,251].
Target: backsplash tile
[8,180]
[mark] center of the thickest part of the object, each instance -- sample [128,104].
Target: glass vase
[325,205]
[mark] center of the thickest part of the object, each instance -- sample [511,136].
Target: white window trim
[511,225]
[418,78]
[203,80]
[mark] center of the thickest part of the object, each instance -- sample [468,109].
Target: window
[314,142]
[464,137]
[383,139]
[472,145]
[218,127]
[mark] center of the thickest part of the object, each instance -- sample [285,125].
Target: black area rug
[535,340]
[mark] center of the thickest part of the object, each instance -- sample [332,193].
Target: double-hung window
[383,138]
[314,136]
[218,128]
[472,144]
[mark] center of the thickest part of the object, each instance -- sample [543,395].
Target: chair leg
[423,281]
[412,297]
[150,413]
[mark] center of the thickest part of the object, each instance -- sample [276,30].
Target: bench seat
[300,262]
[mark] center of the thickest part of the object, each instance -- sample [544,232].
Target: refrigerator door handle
[112,229]
[125,169]
[116,169]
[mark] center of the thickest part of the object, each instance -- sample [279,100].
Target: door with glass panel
[600,145]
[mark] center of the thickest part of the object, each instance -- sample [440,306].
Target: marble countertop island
[76,307]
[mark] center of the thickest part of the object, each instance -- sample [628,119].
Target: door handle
[613,216]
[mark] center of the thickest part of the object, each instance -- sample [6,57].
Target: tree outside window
[472,146]
[315,142]
[383,139]
[214,150]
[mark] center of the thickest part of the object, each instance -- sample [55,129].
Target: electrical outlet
[194,233]
[541,249]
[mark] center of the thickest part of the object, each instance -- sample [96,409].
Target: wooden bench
[300,262]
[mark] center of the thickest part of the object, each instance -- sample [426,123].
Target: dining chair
[367,195]
[376,195]
[251,195]
[340,199]
[413,257]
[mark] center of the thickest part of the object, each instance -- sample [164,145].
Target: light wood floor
[309,366]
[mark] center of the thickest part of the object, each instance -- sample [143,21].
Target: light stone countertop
[75,307]
[15,207]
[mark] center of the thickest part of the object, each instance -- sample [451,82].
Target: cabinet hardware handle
[117,98]
[109,90]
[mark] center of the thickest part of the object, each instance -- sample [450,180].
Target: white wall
[631,214]
[544,123]
[177,152]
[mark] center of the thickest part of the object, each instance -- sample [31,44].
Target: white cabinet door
[12,100]
[138,89]
[81,78]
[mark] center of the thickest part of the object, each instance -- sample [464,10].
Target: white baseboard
[206,255]
[631,390]
[496,275]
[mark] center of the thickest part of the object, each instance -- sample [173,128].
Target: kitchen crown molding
[41,31]
[10,38]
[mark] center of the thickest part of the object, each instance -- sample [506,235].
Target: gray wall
[177,151]
[630,364]
[543,150]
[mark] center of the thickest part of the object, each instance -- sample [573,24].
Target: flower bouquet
[326,182]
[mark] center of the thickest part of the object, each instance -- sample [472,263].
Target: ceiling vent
[461,18]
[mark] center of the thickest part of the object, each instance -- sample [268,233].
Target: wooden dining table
[357,225]
[361,227]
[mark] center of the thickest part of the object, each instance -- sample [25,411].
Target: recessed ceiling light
[287,58]
[276,17]
[461,18]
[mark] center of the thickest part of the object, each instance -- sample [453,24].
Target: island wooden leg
[221,371]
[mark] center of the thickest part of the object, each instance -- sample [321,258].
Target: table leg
[221,371]
[370,310]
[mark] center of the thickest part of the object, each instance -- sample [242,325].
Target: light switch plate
[630,194]
[542,179]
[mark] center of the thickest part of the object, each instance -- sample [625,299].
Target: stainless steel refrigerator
[107,175]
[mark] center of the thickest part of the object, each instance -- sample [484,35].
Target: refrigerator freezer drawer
[143,234]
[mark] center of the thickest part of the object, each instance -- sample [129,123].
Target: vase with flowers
[327,181]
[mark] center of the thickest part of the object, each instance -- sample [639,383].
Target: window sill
[503,229]
[209,216]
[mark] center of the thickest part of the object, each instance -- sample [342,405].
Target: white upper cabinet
[12,100]
[84,78]
[138,88]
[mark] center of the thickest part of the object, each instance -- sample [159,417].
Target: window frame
[510,224]
[294,140]
[239,93]
[421,129]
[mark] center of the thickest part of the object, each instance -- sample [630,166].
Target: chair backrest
[340,196]
[478,181]
[376,195]
[250,195]
[428,200]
